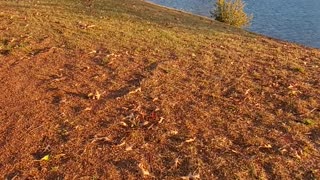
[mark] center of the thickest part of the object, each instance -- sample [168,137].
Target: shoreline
[178,10]
[248,30]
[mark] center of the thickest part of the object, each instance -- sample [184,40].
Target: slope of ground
[119,89]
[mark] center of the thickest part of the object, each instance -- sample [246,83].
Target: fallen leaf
[135,91]
[123,124]
[190,140]
[122,144]
[129,148]
[45,158]
[191,176]
[161,120]
[144,170]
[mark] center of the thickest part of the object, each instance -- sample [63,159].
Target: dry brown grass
[128,90]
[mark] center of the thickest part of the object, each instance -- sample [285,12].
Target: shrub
[231,12]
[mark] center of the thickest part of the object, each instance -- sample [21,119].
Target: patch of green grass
[308,122]
[297,68]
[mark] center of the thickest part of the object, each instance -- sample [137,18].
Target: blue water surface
[292,20]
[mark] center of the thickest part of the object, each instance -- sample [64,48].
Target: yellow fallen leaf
[45,158]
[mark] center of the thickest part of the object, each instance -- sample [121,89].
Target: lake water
[292,20]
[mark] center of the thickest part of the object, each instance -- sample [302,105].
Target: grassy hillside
[123,89]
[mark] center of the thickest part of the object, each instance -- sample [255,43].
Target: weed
[105,60]
[298,69]
[308,122]
[231,12]
[5,51]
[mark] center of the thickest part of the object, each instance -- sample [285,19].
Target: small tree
[231,12]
